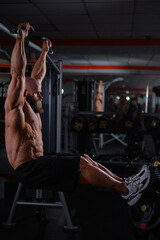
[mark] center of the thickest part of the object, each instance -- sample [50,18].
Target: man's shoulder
[12,113]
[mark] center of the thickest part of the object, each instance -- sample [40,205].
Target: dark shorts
[59,173]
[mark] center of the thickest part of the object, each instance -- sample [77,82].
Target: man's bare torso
[23,134]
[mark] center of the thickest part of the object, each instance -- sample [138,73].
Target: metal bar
[6,30]
[107,84]
[147,98]
[118,139]
[30,44]
[95,147]
[66,211]
[109,140]
[66,128]
[56,204]
[59,109]
[103,98]
[50,109]
[53,64]
[101,140]
[12,211]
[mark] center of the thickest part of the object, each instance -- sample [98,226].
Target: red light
[143,225]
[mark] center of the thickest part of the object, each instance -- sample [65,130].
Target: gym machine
[3,92]
[85,109]
[51,126]
[135,134]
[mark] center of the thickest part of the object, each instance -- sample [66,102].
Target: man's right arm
[39,70]
[15,93]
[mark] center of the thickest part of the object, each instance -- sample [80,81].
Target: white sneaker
[134,199]
[136,185]
[140,173]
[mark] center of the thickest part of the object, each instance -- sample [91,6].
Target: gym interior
[105,47]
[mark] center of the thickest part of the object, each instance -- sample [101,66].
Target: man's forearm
[18,59]
[39,70]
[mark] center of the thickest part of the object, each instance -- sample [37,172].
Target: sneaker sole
[147,182]
[135,199]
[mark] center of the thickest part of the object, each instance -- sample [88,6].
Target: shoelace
[130,179]
[133,177]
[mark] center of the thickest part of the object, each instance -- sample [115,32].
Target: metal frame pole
[49,111]
[66,213]
[13,208]
[147,98]
[59,108]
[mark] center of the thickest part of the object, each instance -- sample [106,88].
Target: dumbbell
[77,124]
[103,124]
[19,31]
[90,124]
[50,49]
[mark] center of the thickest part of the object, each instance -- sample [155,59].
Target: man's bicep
[15,96]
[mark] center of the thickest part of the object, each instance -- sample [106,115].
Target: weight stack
[85,95]
[85,103]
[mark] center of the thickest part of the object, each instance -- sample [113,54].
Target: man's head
[33,94]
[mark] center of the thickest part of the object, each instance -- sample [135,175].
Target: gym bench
[62,203]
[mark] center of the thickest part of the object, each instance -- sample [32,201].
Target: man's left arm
[39,70]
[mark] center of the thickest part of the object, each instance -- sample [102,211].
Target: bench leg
[12,211]
[66,213]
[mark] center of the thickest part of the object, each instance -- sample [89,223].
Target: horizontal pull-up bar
[31,45]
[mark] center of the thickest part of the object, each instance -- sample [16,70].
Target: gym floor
[98,214]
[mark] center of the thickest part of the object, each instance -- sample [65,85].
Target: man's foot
[136,185]
[134,199]
[140,173]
